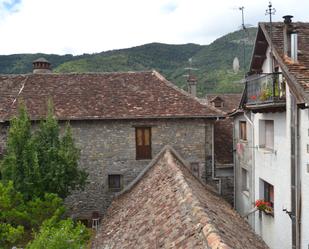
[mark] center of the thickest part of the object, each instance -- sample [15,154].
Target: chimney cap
[41,60]
[287,19]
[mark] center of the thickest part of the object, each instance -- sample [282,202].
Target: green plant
[63,234]
[43,162]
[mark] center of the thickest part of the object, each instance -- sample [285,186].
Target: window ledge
[266,150]
[246,193]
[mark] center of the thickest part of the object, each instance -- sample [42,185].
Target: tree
[43,162]
[58,158]
[20,164]
[60,235]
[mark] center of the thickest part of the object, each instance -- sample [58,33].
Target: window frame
[268,193]
[266,134]
[243,130]
[245,180]
[113,188]
[144,151]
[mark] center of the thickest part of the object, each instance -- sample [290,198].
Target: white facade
[304,165]
[269,160]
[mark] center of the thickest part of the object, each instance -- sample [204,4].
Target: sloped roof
[167,207]
[99,96]
[230,100]
[296,73]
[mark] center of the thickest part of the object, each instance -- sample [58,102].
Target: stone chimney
[192,82]
[287,30]
[41,65]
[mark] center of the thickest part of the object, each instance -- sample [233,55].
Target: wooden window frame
[143,152]
[113,188]
[268,191]
[243,130]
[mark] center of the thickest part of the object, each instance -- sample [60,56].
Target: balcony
[265,90]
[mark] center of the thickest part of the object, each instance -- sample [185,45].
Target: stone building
[120,121]
[223,169]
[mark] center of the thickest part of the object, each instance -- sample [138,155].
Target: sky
[90,26]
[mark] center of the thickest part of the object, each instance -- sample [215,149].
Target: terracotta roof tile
[299,70]
[167,207]
[230,100]
[99,96]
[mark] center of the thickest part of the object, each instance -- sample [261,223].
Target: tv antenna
[244,34]
[270,11]
[190,68]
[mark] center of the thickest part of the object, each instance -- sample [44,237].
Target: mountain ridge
[213,62]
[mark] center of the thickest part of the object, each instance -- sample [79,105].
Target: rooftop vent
[287,19]
[41,65]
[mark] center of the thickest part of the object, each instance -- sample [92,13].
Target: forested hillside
[212,63]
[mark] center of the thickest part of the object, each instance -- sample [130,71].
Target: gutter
[252,194]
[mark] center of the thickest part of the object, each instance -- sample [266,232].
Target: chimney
[287,30]
[192,82]
[41,65]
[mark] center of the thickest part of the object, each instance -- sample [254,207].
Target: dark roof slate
[168,207]
[75,96]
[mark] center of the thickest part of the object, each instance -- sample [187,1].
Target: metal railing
[265,88]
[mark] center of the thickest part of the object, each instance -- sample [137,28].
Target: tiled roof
[99,96]
[168,207]
[230,100]
[297,73]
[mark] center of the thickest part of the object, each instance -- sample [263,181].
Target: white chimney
[294,47]
[192,81]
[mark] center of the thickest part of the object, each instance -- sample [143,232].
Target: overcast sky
[89,26]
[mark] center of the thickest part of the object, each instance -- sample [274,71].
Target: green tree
[43,162]
[11,215]
[20,164]
[62,234]
[58,158]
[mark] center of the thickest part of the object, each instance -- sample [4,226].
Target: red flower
[253,97]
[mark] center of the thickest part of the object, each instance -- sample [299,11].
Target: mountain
[212,63]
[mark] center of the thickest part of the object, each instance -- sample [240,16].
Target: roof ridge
[210,233]
[185,93]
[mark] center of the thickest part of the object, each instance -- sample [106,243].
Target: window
[115,182]
[244,180]
[218,103]
[143,142]
[307,148]
[266,134]
[268,192]
[243,130]
[195,169]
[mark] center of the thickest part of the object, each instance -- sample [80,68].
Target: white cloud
[80,26]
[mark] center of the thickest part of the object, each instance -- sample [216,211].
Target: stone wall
[108,147]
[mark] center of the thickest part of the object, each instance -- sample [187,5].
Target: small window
[307,148]
[245,179]
[266,134]
[243,130]
[143,142]
[195,169]
[115,182]
[218,103]
[268,192]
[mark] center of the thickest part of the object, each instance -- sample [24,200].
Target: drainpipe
[252,194]
[294,171]
[234,164]
[213,175]
[298,184]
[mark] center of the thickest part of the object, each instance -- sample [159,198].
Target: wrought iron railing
[265,88]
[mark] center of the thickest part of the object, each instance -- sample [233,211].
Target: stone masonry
[108,147]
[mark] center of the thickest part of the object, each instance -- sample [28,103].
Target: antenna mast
[271,11]
[244,35]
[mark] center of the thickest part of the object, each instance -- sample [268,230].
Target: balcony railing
[265,89]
